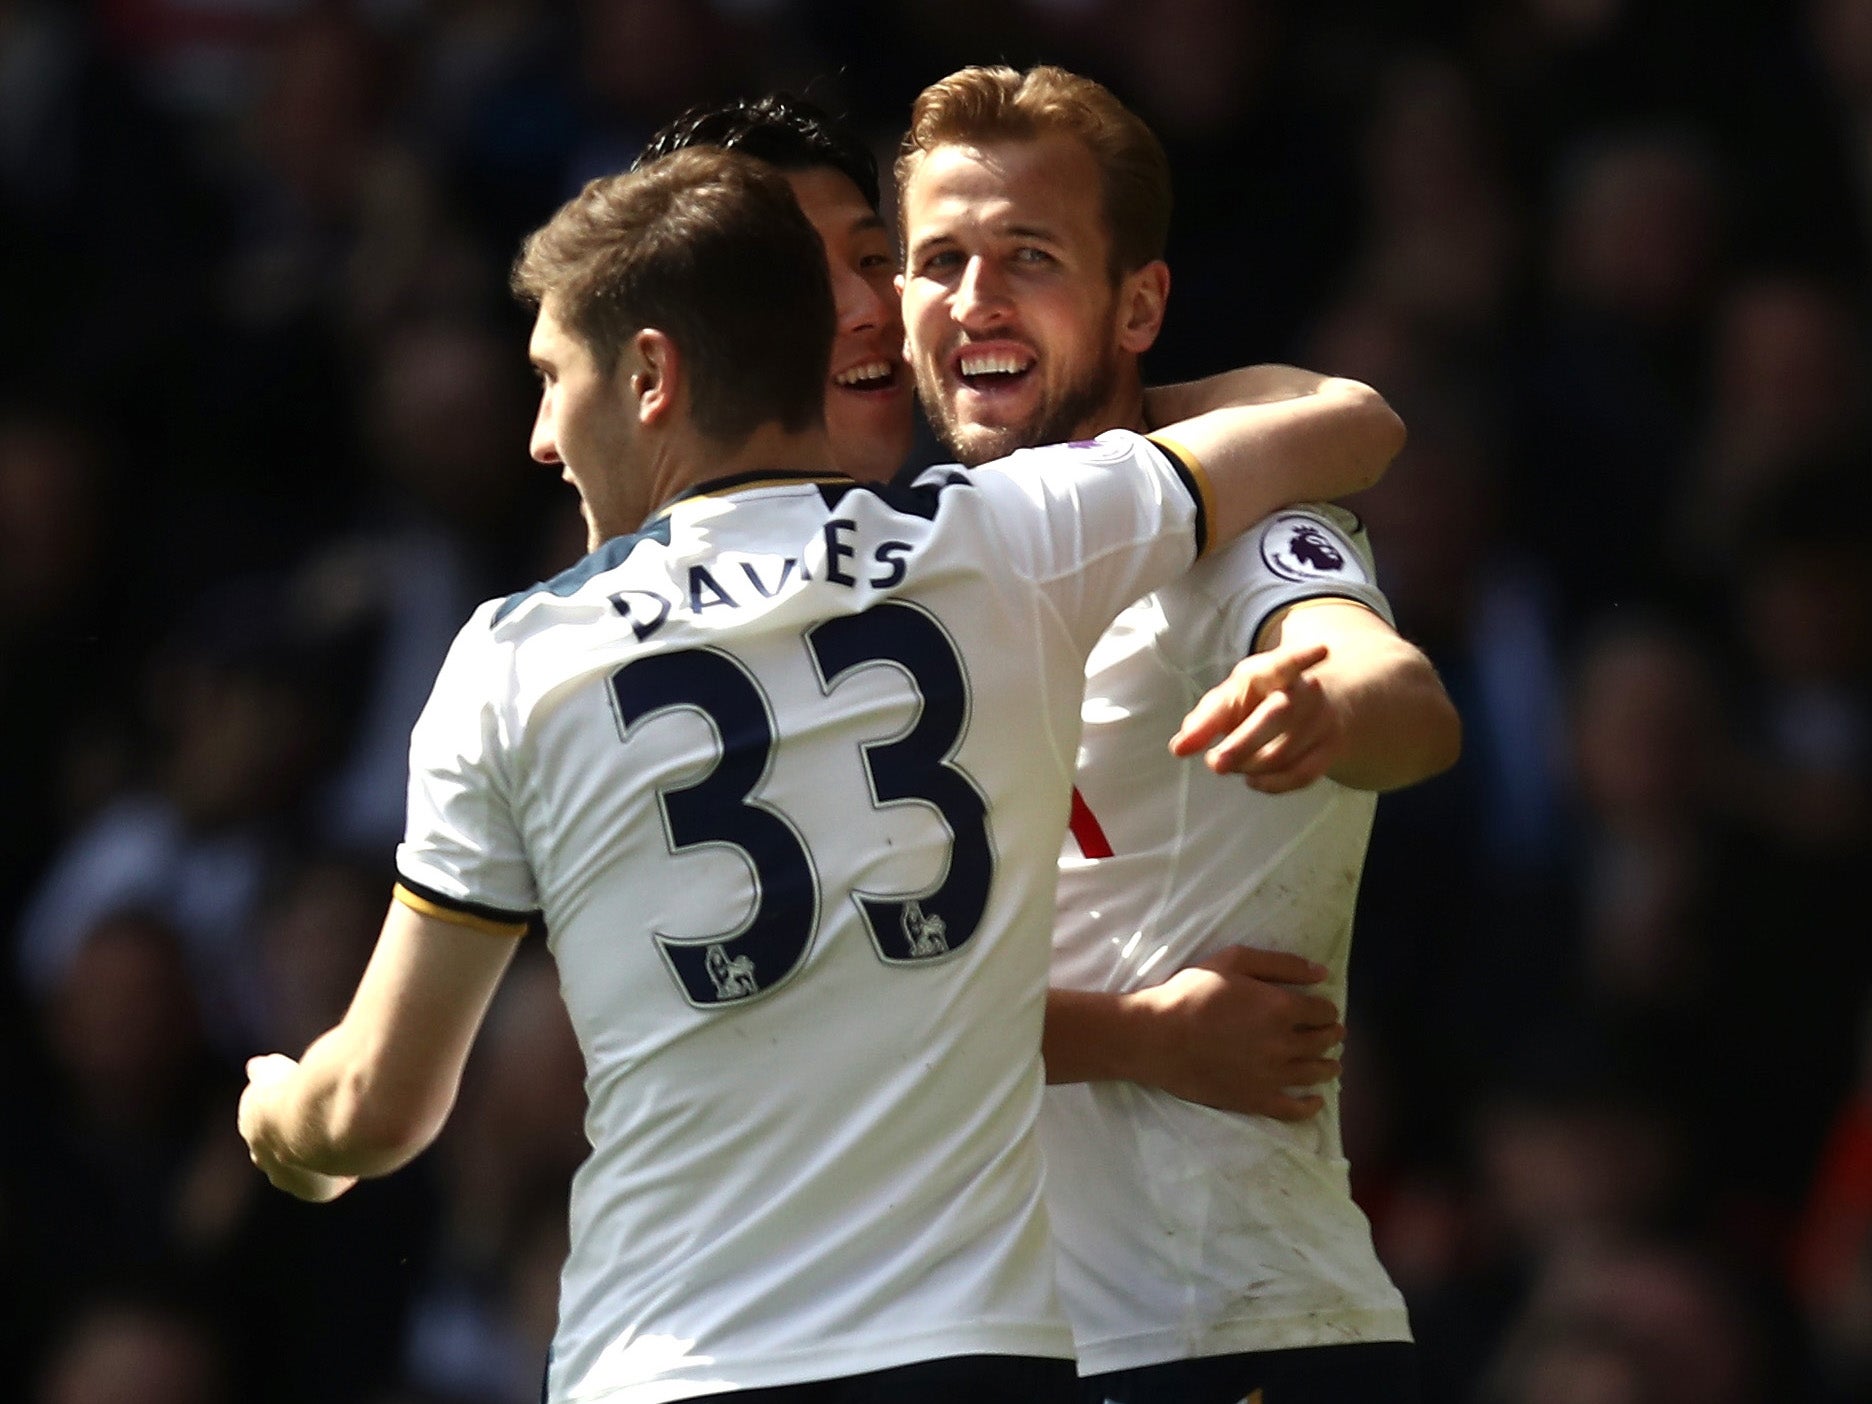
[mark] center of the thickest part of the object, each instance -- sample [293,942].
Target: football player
[812,1047]
[1206,1257]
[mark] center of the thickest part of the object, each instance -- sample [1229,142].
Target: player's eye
[941,261]
[1032,256]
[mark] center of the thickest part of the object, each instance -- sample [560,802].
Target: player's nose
[542,443]
[980,298]
[860,307]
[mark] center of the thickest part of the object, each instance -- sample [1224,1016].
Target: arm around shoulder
[1271,436]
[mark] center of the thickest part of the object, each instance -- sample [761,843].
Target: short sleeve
[462,857]
[1118,517]
[1311,552]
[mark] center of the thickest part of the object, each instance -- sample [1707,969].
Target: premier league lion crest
[733,976]
[1297,546]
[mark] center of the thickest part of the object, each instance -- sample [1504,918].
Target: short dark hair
[786,131]
[712,249]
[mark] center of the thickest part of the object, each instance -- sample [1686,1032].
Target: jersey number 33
[719,808]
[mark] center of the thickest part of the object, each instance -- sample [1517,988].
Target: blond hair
[982,103]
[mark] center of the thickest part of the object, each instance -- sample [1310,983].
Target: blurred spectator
[78,146]
[1441,235]
[309,139]
[1837,50]
[1573,1362]
[1637,1314]
[1648,745]
[1803,610]
[316,928]
[1787,397]
[1266,200]
[1560,1159]
[245,707]
[1637,230]
[1832,1265]
[135,1109]
[65,631]
[481,1325]
[1571,1163]
[413,259]
[1683,890]
[1461,930]
[639,61]
[136,1349]
[272,441]
[491,107]
[354,1271]
[1610,382]
[1471,595]
[453,519]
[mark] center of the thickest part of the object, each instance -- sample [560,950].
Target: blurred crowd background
[263,414]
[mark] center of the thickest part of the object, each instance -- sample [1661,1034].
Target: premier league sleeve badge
[1302,547]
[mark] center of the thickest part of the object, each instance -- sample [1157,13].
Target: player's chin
[978,440]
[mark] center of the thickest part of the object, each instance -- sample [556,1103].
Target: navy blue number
[718,808]
[916,766]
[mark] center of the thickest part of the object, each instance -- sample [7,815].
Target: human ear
[1142,297]
[656,375]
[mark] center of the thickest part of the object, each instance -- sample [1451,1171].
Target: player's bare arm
[1333,692]
[1239,1043]
[1238,1031]
[372,1093]
[1314,437]
[1261,384]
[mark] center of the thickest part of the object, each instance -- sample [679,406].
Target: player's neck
[693,459]
[1124,409]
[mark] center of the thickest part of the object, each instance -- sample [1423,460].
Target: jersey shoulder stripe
[480,916]
[569,581]
[1195,478]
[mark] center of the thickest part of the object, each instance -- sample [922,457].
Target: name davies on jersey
[884,566]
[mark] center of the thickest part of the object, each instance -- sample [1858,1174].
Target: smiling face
[868,405]
[1018,335]
[585,425]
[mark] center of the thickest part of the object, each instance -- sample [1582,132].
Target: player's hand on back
[265,1076]
[1270,722]
[1236,1033]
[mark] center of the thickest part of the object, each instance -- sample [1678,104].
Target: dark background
[263,413]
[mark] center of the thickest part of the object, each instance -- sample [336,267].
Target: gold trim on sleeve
[1199,482]
[494,927]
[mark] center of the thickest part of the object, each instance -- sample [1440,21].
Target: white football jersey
[785,774]
[1185,1231]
